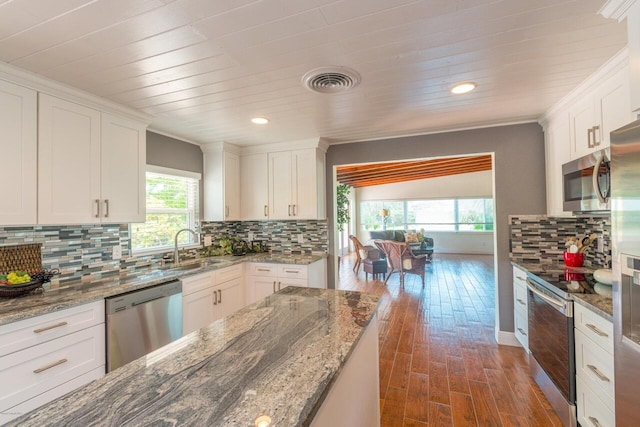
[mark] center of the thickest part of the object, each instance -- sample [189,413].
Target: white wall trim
[171,135]
[616,9]
[507,338]
[51,87]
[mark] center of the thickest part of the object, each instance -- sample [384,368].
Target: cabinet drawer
[522,330]
[597,328]
[520,298]
[595,367]
[292,271]
[592,412]
[36,330]
[519,277]
[229,273]
[283,283]
[265,270]
[30,372]
[197,283]
[48,396]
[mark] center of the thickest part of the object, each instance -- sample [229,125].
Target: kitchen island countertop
[599,304]
[86,291]
[277,357]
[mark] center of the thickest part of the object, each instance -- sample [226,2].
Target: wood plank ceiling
[393,172]
[203,68]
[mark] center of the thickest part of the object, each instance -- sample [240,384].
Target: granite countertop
[82,292]
[277,357]
[599,304]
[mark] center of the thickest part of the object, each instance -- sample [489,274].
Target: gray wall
[173,153]
[519,181]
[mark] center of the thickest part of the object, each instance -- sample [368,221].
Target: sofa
[424,246]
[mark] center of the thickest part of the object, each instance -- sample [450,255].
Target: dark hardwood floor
[439,362]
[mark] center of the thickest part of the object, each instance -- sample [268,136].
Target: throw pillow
[411,237]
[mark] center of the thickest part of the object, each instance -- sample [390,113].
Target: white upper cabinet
[296,184]
[19,151]
[91,165]
[68,162]
[254,182]
[123,161]
[557,153]
[221,183]
[602,110]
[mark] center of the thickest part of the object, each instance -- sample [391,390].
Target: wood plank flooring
[439,362]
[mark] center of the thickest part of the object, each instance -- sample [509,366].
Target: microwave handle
[596,183]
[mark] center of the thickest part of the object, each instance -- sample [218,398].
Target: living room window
[172,204]
[460,214]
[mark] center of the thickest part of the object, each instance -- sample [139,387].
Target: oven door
[551,338]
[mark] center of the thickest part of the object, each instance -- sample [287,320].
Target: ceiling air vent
[330,79]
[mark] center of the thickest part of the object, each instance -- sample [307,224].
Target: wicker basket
[12,291]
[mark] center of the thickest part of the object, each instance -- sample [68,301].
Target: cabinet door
[280,178]
[197,310]
[231,187]
[614,105]
[230,298]
[68,162]
[19,152]
[557,153]
[254,182]
[583,118]
[304,184]
[263,287]
[123,155]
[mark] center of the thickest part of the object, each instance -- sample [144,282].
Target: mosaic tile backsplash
[86,250]
[541,239]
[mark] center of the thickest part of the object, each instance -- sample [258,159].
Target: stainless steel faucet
[176,252]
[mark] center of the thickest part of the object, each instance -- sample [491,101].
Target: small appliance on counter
[239,248]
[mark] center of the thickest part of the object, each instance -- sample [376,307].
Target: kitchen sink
[187,267]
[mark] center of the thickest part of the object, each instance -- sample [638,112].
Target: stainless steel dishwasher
[142,321]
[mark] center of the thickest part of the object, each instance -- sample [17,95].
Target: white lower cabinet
[210,296]
[263,279]
[594,369]
[59,352]
[520,307]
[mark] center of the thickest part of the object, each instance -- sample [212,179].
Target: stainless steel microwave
[587,183]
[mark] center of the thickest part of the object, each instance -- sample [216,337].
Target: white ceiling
[203,68]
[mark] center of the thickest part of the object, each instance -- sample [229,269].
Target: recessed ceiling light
[259,121]
[463,88]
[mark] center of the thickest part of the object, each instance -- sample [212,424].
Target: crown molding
[319,143]
[42,84]
[616,9]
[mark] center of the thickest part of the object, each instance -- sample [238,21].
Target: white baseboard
[507,338]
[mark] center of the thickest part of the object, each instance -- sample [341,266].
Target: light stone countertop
[602,305]
[82,292]
[277,357]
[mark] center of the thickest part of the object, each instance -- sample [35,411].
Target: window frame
[196,221]
[456,224]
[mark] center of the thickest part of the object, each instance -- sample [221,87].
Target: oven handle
[561,306]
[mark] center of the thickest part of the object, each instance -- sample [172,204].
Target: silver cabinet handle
[595,421]
[521,302]
[266,210]
[589,138]
[596,135]
[226,210]
[596,330]
[46,328]
[215,298]
[600,375]
[292,271]
[289,210]
[294,210]
[97,208]
[522,332]
[106,208]
[49,366]
[219,296]
[279,283]
[274,286]
[262,269]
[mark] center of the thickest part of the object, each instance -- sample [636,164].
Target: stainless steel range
[551,337]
